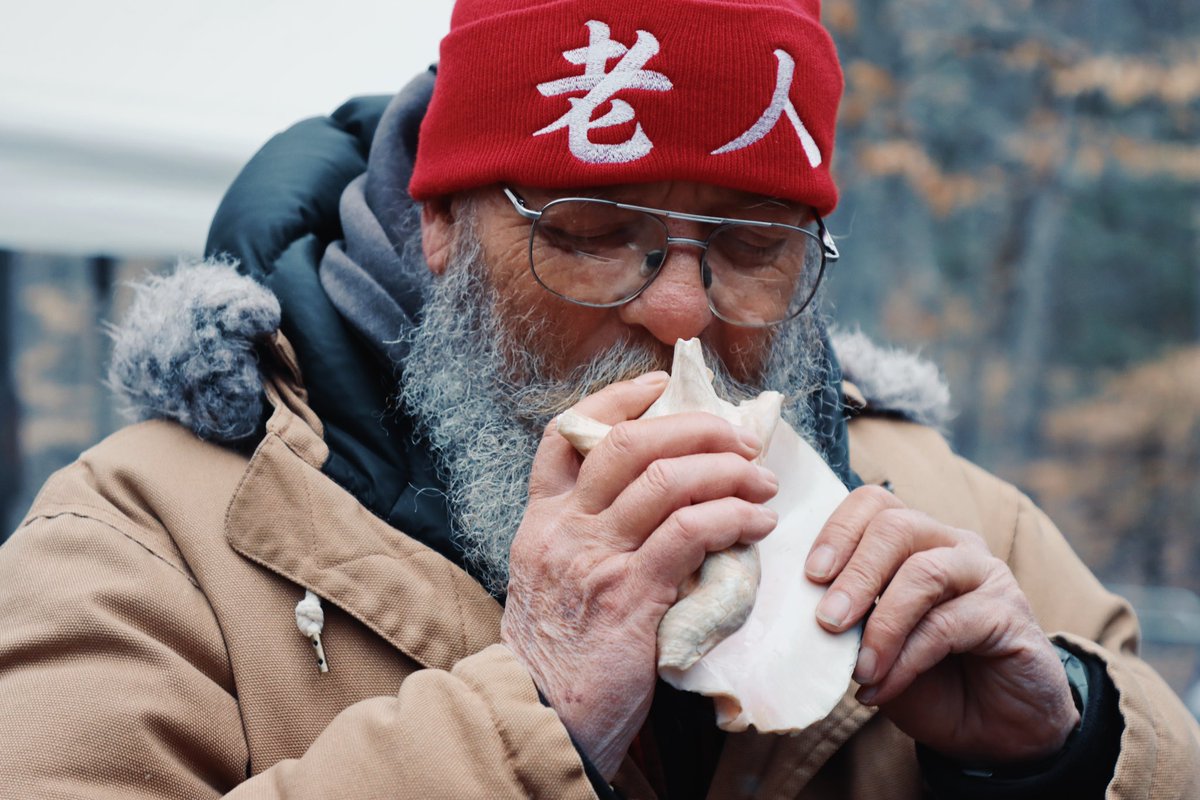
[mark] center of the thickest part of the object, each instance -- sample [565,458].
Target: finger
[556,464]
[925,581]
[962,625]
[623,400]
[677,548]
[671,484]
[890,539]
[840,535]
[632,447]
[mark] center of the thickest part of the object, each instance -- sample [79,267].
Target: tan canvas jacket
[148,646]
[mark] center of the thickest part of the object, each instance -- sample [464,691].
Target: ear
[437,233]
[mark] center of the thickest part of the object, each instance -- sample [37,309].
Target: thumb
[556,464]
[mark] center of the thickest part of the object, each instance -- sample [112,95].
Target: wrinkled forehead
[686,196]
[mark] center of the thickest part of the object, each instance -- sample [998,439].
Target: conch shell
[744,629]
[716,601]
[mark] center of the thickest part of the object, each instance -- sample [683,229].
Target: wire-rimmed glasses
[602,253]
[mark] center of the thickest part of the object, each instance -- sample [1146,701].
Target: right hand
[606,542]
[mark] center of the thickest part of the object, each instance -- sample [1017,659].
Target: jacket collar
[291,518]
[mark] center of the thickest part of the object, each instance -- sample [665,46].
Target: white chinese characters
[781,104]
[602,85]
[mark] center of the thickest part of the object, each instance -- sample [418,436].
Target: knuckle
[746,521]
[622,437]
[749,515]
[660,477]
[893,524]
[856,579]
[927,565]
[685,523]
[838,531]
[999,574]
[940,625]
[884,628]
[745,472]
[529,553]
[928,573]
[876,496]
[972,539]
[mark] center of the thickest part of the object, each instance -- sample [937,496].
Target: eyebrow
[760,202]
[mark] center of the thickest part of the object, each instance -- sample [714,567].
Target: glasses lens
[594,252]
[763,275]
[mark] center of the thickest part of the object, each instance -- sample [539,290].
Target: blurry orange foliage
[942,190]
[1127,81]
[1123,473]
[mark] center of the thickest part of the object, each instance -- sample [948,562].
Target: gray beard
[482,393]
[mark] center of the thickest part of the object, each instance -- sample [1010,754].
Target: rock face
[744,630]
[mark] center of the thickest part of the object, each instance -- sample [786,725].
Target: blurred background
[1021,204]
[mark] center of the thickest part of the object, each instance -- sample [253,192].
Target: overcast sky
[114,109]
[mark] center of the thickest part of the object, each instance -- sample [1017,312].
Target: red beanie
[578,93]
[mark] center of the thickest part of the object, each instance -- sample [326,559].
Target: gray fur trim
[185,350]
[893,381]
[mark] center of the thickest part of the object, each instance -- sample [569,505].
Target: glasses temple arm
[827,243]
[519,204]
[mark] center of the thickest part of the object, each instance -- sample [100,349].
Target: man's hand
[605,544]
[951,652]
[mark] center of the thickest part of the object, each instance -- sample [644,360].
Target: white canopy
[122,122]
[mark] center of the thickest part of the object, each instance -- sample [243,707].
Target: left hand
[951,653]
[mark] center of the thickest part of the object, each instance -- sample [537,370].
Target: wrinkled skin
[952,654]
[639,514]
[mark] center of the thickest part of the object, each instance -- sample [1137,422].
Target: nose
[675,305]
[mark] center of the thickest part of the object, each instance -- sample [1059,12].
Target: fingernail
[834,608]
[867,696]
[750,439]
[769,476]
[864,670]
[820,562]
[769,514]
[651,378]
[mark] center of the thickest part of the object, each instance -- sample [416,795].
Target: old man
[348,555]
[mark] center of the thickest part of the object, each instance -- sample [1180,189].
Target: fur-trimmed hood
[186,352]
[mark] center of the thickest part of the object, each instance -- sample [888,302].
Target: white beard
[484,425]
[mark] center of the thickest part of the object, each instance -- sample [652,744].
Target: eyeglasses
[602,254]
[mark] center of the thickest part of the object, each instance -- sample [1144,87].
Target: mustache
[623,361]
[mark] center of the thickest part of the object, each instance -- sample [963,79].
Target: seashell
[744,630]
[717,600]
[712,604]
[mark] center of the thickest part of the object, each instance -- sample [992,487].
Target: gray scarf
[376,276]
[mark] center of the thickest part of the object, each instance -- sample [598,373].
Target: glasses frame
[829,250]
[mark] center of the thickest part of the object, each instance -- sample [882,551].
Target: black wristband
[1082,769]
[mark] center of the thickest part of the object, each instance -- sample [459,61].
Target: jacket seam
[1021,512]
[509,753]
[49,516]
[1018,510]
[1157,751]
[1153,745]
[462,619]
